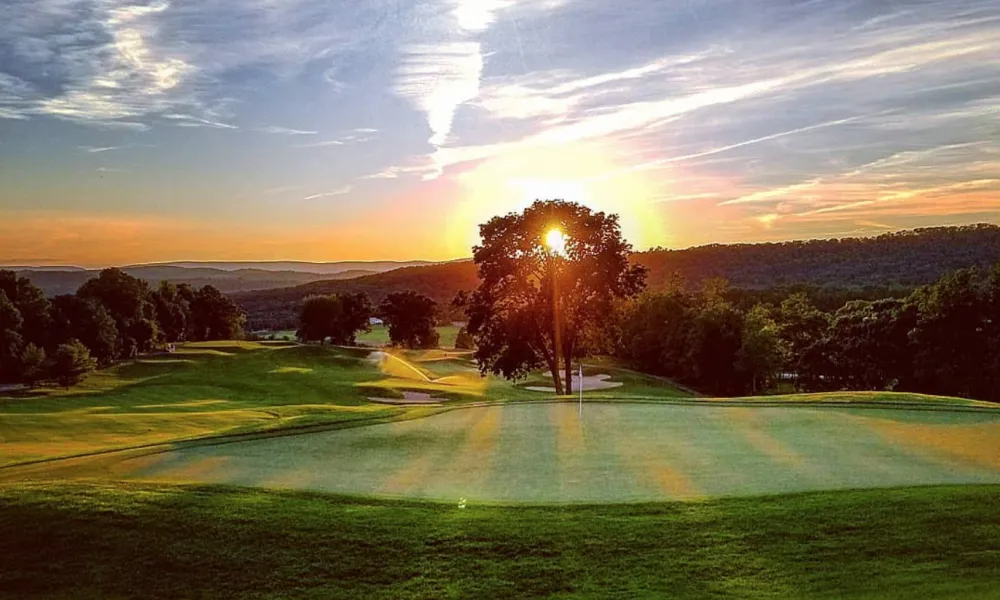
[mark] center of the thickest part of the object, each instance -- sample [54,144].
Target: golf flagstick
[581,390]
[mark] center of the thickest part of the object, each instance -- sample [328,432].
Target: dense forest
[279,308]
[829,272]
[111,316]
[943,339]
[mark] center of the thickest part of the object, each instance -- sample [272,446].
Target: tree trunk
[554,369]
[568,359]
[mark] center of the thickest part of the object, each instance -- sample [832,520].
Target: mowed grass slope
[203,389]
[210,388]
[161,541]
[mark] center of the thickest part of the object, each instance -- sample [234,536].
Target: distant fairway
[617,453]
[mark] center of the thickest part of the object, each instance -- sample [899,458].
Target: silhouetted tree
[87,320]
[127,299]
[173,311]
[215,316]
[31,304]
[11,342]
[337,317]
[533,306]
[410,318]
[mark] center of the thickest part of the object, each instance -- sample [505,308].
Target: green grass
[160,541]
[613,452]
[203,389]
[216,388]
[379,336]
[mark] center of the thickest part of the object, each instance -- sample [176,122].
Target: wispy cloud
[97,150]
[337,192]
[285,131]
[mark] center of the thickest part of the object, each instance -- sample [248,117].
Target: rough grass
[160,541]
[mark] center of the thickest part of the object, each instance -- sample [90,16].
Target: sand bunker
[590,383]
[410,399]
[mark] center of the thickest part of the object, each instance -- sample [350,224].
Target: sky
[389,129]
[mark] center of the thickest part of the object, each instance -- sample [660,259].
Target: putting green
[617,452]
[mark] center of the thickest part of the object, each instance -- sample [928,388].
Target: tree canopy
[548,277]
[338,318]
[410,318]
[113,316]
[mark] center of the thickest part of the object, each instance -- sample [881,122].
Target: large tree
[410,318]
[215,316]
[337,317]
[549,277]
[31,305]
[127,299]
[87,320]
[11,341]
[71,363]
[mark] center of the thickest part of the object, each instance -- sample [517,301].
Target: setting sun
[556,242]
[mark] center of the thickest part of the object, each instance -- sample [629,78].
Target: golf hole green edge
[615,452]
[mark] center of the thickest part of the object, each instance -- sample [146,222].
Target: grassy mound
[157,541]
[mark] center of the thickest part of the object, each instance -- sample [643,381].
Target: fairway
[618,452]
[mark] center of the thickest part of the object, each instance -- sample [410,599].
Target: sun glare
[556,241]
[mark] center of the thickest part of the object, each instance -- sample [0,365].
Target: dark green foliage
[534,307]
[159,541]
[704,340]
[410,318]
[173,311]
[942,339]
[32,364]
[904,259]
[11,341]
[71,363]
[87,320]
[337,318]
[31,304]
[127,300]
[114,316]
[215,316]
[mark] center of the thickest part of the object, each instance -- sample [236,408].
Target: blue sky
[378,129]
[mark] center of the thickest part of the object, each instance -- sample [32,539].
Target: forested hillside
[903,259]
[830,272]
[279,308]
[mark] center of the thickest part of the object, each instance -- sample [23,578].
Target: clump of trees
[411,318]
[942,339]
[702,339]
[113,316]
[338,318]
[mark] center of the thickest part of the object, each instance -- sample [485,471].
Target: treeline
[111,317]
[830,272]
[339,318]
[280,308]
[941,339]
[905,259]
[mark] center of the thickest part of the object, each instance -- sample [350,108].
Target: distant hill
[893,261]
[295,266]
[55,282]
